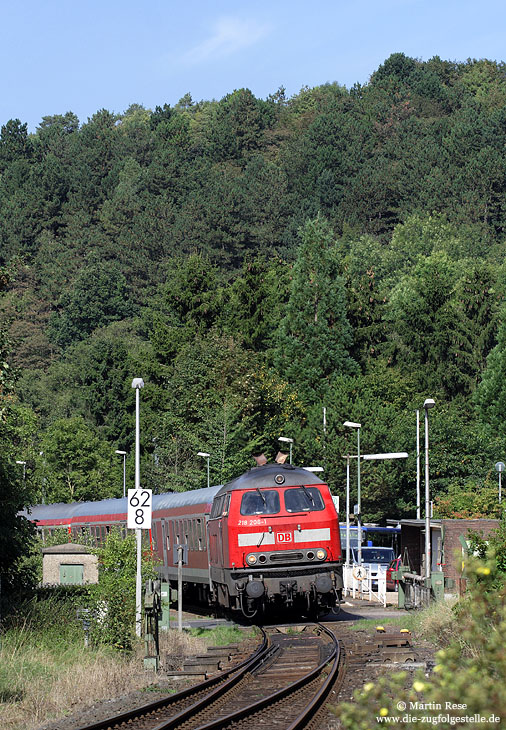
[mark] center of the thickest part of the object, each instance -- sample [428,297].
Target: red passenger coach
[268,538]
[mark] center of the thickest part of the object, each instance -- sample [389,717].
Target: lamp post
[428,403]
[286,440]
[41,454]
[123,454]
[23,463]
[418,505]
[205,456]
[499,467]
[357,426]
[347,457]
[138,383]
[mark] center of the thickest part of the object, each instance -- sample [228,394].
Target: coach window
[199,533]
[303,499]
[260,502]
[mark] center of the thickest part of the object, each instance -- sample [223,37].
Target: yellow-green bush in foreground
[468,685]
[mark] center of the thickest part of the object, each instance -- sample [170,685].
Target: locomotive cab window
[226,506]
[303,499]
[260,502]
[216,508]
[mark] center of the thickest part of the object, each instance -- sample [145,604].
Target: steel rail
[312,707]
[225,680]
[336,672]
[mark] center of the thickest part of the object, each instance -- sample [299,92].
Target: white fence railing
[366,582]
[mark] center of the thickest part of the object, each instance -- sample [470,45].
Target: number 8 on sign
[139,509]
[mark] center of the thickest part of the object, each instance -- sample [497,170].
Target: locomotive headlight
[321,554]
[251,559]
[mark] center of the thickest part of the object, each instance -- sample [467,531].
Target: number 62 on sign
[139,509]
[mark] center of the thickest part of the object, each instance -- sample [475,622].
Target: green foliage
[429,330]
[96,299]
[114,599]
[470,670]
[340,248]
[76,465]
[469,500]
[314,338]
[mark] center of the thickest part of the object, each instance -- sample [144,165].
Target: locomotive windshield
[303,499]
[260,502]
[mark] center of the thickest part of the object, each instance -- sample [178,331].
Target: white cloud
[229,35]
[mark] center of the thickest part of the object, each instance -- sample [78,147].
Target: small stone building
[70,564]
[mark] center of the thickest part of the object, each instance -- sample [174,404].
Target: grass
[46,671]
[436,623]
[221,635]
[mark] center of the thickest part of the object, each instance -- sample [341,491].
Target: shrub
[113,599]
[470,672]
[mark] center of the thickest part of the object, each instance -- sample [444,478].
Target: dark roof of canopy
[265,476]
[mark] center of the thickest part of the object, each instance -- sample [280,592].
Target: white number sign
[139,509]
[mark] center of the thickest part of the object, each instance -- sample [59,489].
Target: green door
[71,574]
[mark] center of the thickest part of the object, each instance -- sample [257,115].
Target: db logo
[284,537]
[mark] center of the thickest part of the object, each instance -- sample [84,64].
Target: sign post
[181,558]
[139,509]
[139,518]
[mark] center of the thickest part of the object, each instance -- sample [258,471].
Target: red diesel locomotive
[269,538]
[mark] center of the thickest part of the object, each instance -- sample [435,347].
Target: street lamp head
[20,462]
[313,468]
[285,440]
[203,453]
[429,403]
[351,424]
[377,457]
[137,383]
[121,453]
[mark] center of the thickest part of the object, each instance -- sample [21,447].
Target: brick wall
[452,530]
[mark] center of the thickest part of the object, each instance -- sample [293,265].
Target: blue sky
[58,56]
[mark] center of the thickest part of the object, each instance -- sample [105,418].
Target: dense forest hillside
[256,261]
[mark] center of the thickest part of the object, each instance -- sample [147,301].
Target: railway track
[283,684]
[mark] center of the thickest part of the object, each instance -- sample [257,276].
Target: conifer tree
[315,336]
